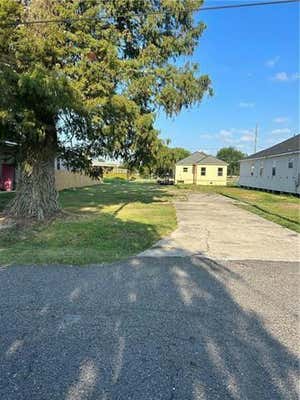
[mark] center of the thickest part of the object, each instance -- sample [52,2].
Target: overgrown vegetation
[100,224]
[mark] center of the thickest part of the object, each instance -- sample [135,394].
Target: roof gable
[192,159]
[287,146]
[200,158]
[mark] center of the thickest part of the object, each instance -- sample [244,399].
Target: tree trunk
[36,196]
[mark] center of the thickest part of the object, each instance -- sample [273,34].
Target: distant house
[7,166]
[276,168]
[201,169]
[64,178]
[110,167]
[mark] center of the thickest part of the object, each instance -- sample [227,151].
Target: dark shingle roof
[288,146]
[201,158]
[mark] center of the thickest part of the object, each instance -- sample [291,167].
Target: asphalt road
[169,324]
[150,328]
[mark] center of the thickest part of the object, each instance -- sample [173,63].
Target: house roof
[201,158]
[103,163]
[8,147]
[288,146]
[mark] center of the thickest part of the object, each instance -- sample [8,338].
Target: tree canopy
[232,157]
[88,82]
[164,161]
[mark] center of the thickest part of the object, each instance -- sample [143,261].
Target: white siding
[285,180]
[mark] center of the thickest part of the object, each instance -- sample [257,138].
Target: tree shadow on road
[145,329]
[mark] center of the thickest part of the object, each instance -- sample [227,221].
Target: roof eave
[270,155]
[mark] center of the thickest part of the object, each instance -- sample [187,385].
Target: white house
[276,168]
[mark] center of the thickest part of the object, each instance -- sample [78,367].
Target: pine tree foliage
[90,84]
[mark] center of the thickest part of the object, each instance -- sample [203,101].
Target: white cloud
[285,77]
[206,136]
[225,136]
[247,138]
[245,104]
[281,131]
[236,137]
[272,62]
[243,131]
[280,120]
[281,76]
[225,133]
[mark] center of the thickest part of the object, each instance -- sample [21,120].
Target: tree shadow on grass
[87,233]
[105,238]
[5,198]
[145,329]
[93,198]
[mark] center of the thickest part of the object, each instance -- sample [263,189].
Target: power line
[255,138]
[208,8]
[265,3]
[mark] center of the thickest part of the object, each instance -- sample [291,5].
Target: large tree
[166,159]
[83,78]
[232,156]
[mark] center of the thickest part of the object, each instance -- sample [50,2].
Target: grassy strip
[267,214]
[101,223]
[294,226]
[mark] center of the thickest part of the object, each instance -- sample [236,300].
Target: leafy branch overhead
[90,84]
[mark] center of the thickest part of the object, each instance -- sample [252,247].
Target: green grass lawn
[118,219]
[282,209]
[101,223]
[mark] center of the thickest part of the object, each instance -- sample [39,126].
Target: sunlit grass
[101,223]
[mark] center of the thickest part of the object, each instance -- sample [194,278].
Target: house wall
[65,179]
[7,159]
[184,177]
[286,179]
[211,177]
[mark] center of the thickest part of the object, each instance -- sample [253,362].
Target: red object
[7,177]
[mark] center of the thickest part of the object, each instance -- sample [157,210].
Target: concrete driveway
[213,226]
[171,327]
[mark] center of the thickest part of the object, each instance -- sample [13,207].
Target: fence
[67,179]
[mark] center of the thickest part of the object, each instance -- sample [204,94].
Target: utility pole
[255,138]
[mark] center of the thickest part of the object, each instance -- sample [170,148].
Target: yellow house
[201,169]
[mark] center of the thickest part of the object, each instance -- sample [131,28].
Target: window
[291,163]
[185,169]
[274,168]
[252,170]
[261,169]
[220,171]
[58,164]
[203,171]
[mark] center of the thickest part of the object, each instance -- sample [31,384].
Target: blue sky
[252,57]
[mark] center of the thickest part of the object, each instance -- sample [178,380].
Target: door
[7,177]
[195,174]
